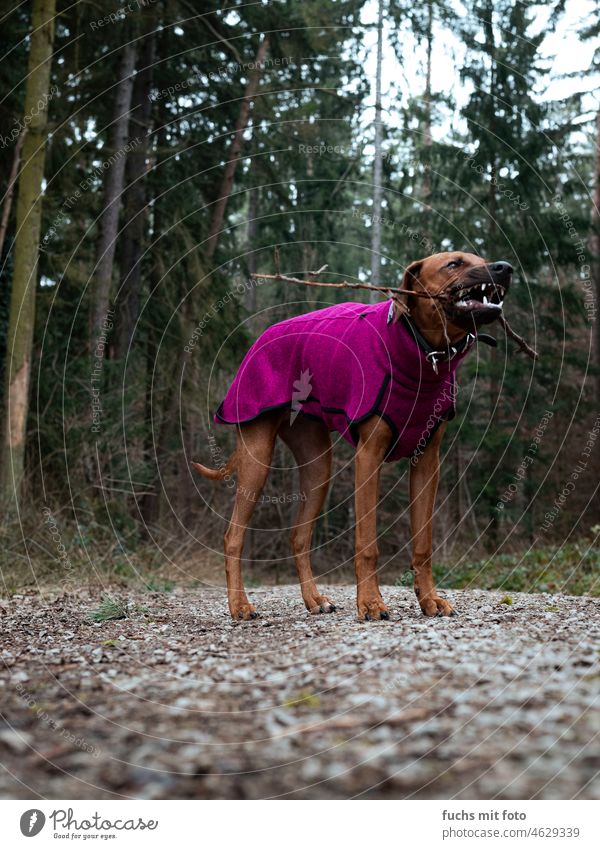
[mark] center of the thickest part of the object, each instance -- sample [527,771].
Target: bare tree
[427,140]
[10,188]
[135,195]
[113,189]
[29,210]
[215,230]
[218,216]
[377,168]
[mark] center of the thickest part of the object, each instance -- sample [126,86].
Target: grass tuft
[110,608]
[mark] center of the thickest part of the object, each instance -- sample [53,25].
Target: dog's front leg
[374,441]
[424,477]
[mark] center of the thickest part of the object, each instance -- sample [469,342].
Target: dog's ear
[401,299]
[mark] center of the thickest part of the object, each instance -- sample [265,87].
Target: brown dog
[463,292]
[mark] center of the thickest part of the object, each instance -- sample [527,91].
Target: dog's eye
[454,263]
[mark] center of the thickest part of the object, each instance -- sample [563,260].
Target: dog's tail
[217,474]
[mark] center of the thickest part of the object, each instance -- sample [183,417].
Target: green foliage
[571,569]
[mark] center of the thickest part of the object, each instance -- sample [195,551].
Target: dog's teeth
[485,301]
[500,304]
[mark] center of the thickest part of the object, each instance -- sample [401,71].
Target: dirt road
[177,701]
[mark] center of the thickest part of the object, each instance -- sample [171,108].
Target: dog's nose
[501,268]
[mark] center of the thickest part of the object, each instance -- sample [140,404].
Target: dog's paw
[319,604]
[245,612]
[370,609]
[436,606]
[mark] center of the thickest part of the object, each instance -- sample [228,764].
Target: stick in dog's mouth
[461,301]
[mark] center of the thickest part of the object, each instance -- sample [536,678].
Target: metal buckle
[433,360]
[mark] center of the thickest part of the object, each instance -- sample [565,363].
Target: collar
[446,354]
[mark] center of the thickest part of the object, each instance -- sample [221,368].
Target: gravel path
[178,701]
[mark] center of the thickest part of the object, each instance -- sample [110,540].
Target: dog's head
[472,289]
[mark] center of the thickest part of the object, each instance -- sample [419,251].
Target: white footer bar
[291,824]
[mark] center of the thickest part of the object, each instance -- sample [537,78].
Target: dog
[383,376]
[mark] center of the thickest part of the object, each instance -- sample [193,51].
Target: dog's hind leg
[310,443]
[254,453]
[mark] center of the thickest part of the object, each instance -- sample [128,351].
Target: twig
[518,339]
[221,38]
[342,285]
[348,723]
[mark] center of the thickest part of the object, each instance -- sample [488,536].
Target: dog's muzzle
[478,297]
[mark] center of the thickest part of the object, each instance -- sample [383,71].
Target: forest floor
[175,700]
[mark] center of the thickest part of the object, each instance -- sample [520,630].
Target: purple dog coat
[343,364]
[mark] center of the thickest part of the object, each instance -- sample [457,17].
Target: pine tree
[510,176]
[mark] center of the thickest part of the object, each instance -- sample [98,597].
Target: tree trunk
[135,199]
[187,314]
[29,210]
[108,224]
[10,188]
[377,169]
[595,245]
[492,246]
[149,504]
[427,140]
[251,303]
[251,235]
[218,217]
[456,507]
